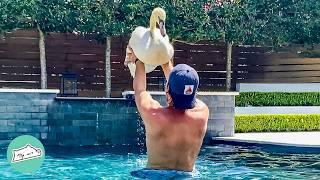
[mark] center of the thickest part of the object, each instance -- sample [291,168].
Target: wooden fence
[20,64]
[19,59]
[285,65]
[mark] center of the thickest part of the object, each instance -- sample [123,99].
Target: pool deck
[295,139]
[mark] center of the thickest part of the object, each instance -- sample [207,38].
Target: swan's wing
[166,38]
[155,52]
[140,41]
[139,36]
[149,68]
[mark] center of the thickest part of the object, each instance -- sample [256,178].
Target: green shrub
[278,99]
[277,123]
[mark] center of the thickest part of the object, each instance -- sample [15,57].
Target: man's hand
[167,68]
[130,56]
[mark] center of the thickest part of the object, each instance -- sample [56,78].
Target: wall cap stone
[88,98]
[48,91]
[202,93]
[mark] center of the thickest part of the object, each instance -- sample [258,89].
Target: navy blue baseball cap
[183,83]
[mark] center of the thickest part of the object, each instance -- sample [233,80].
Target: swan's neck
[153,26]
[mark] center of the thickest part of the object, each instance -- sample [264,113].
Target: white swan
[151,45]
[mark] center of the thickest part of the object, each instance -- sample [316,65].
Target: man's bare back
[174,137]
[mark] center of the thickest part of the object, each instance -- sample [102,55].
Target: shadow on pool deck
[292,142]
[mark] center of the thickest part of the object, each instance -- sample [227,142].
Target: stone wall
[92,121]
[24,112]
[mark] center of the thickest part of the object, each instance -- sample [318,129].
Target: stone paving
[299,139]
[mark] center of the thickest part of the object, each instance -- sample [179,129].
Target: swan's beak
[162,27]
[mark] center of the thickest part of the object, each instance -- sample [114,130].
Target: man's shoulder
[201,110]
[200,104]
[145,102]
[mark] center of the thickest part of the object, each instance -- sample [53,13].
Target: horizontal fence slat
[23,33]
[200,47]
[96,93]
[19,47]
[282,80]
[80,86]
[282,61]
[56,79]
[20,85]
[19,70]
[22,41]
[275,75]
[75,50]
[19,62]
[19,55]
[19,77]
[275,68]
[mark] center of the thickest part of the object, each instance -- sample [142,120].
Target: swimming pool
[219,161]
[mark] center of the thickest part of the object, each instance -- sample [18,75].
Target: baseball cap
[183,83]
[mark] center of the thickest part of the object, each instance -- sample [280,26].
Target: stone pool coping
[288,139]
[54,91]
[90,98]
[201,93]
[278,110]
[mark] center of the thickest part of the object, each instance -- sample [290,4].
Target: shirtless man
[174,134]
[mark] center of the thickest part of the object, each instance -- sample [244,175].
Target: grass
[277,123]
[277,99]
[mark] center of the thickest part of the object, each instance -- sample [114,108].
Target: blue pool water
[221,161]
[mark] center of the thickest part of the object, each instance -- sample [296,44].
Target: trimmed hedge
[277,123]
[278,99]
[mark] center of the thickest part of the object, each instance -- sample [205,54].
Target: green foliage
[230,21]
[277,123]
[49,15]
[16,14]
[98,17]
[267,22]
[248,22]
[56,15]
[305,24]
[278,99]
[186,20]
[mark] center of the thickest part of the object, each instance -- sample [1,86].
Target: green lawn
[277,123]
[278,99]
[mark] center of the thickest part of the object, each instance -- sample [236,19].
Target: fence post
[108,66]
[228,66]
[234,69]
[43,63]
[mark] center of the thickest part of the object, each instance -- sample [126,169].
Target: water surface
[220,161]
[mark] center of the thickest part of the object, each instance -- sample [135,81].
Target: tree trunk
[228,67]
[108,67]
[43,61]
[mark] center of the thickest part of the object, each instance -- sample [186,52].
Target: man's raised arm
[167,68]
[143,99]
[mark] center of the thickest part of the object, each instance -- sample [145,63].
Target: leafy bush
[278,99]
[277,123]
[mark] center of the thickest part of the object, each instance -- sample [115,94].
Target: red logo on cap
[188,89]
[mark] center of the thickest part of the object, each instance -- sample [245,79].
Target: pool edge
[268,146]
